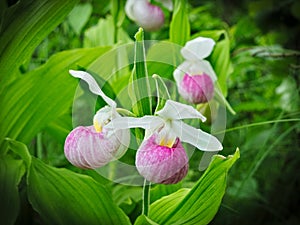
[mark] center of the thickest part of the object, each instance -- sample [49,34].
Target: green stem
[39,147]
[258,124]
[146,197]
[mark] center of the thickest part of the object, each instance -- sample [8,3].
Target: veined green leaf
[64,197]
[180,25]
[200,204]
[23,27]
[11,172]
[118,12]
[144,220]
[79,16]
[42,95]
[140,93]
[21,150]
[102,34]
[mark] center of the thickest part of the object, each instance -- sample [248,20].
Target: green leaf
[161,190]
[140,93]
[200,204]
[118,12]
[64,197]
[220,60]
[11,172]
[21,150]
[24,26]
[180,26]
[42,95]
[103,34]
[79,16]
[144,220]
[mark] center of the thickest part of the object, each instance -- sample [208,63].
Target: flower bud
[148,16]
[196,88]
[161,164]
[88,149]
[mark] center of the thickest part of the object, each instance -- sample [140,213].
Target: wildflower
[92,147]
[145,14]
[161,157]
[195,77]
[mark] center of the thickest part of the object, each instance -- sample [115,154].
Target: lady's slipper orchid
[148,16]
[195,77]
[92,147]
[161,157]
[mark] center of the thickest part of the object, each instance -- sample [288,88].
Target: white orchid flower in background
[92,147]
[195,77]
[148,16]
[161,157]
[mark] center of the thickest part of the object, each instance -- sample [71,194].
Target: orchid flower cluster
[161,157]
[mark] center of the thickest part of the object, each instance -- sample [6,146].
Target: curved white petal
[93,86]
[207,68]
[196,137]
[177,111]
[198,48]
[194,68]
[147,122]
[129,9]
[178,75]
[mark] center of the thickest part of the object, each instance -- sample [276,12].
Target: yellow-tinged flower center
[97,126]
[165,136]
[164,141]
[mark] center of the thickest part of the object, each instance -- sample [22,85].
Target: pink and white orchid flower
[148,16]
[92,147]
[195,77]
[161,157]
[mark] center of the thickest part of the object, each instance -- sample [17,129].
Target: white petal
[198,48]
[207,68]
[93,86]
[194,68]
[196,137]
[146,122]
[129,9]
[177,111]
[178,75]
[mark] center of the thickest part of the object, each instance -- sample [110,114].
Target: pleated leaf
[42,95]
[180,25]
[200,204]
[64,197]
[140,92]
[24,26]
[11,172]
[60,196]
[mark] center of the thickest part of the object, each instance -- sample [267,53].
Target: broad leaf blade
[64,197]
[24,26]
[180,26]
[144,220]
[42,95]
[11,172]
[201,203]
[140,93]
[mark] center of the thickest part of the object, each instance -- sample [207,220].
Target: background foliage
[259,47]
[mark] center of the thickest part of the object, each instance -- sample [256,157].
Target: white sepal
[93,86]
[196,137]
[177,111]
[151,123]
[198,48]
